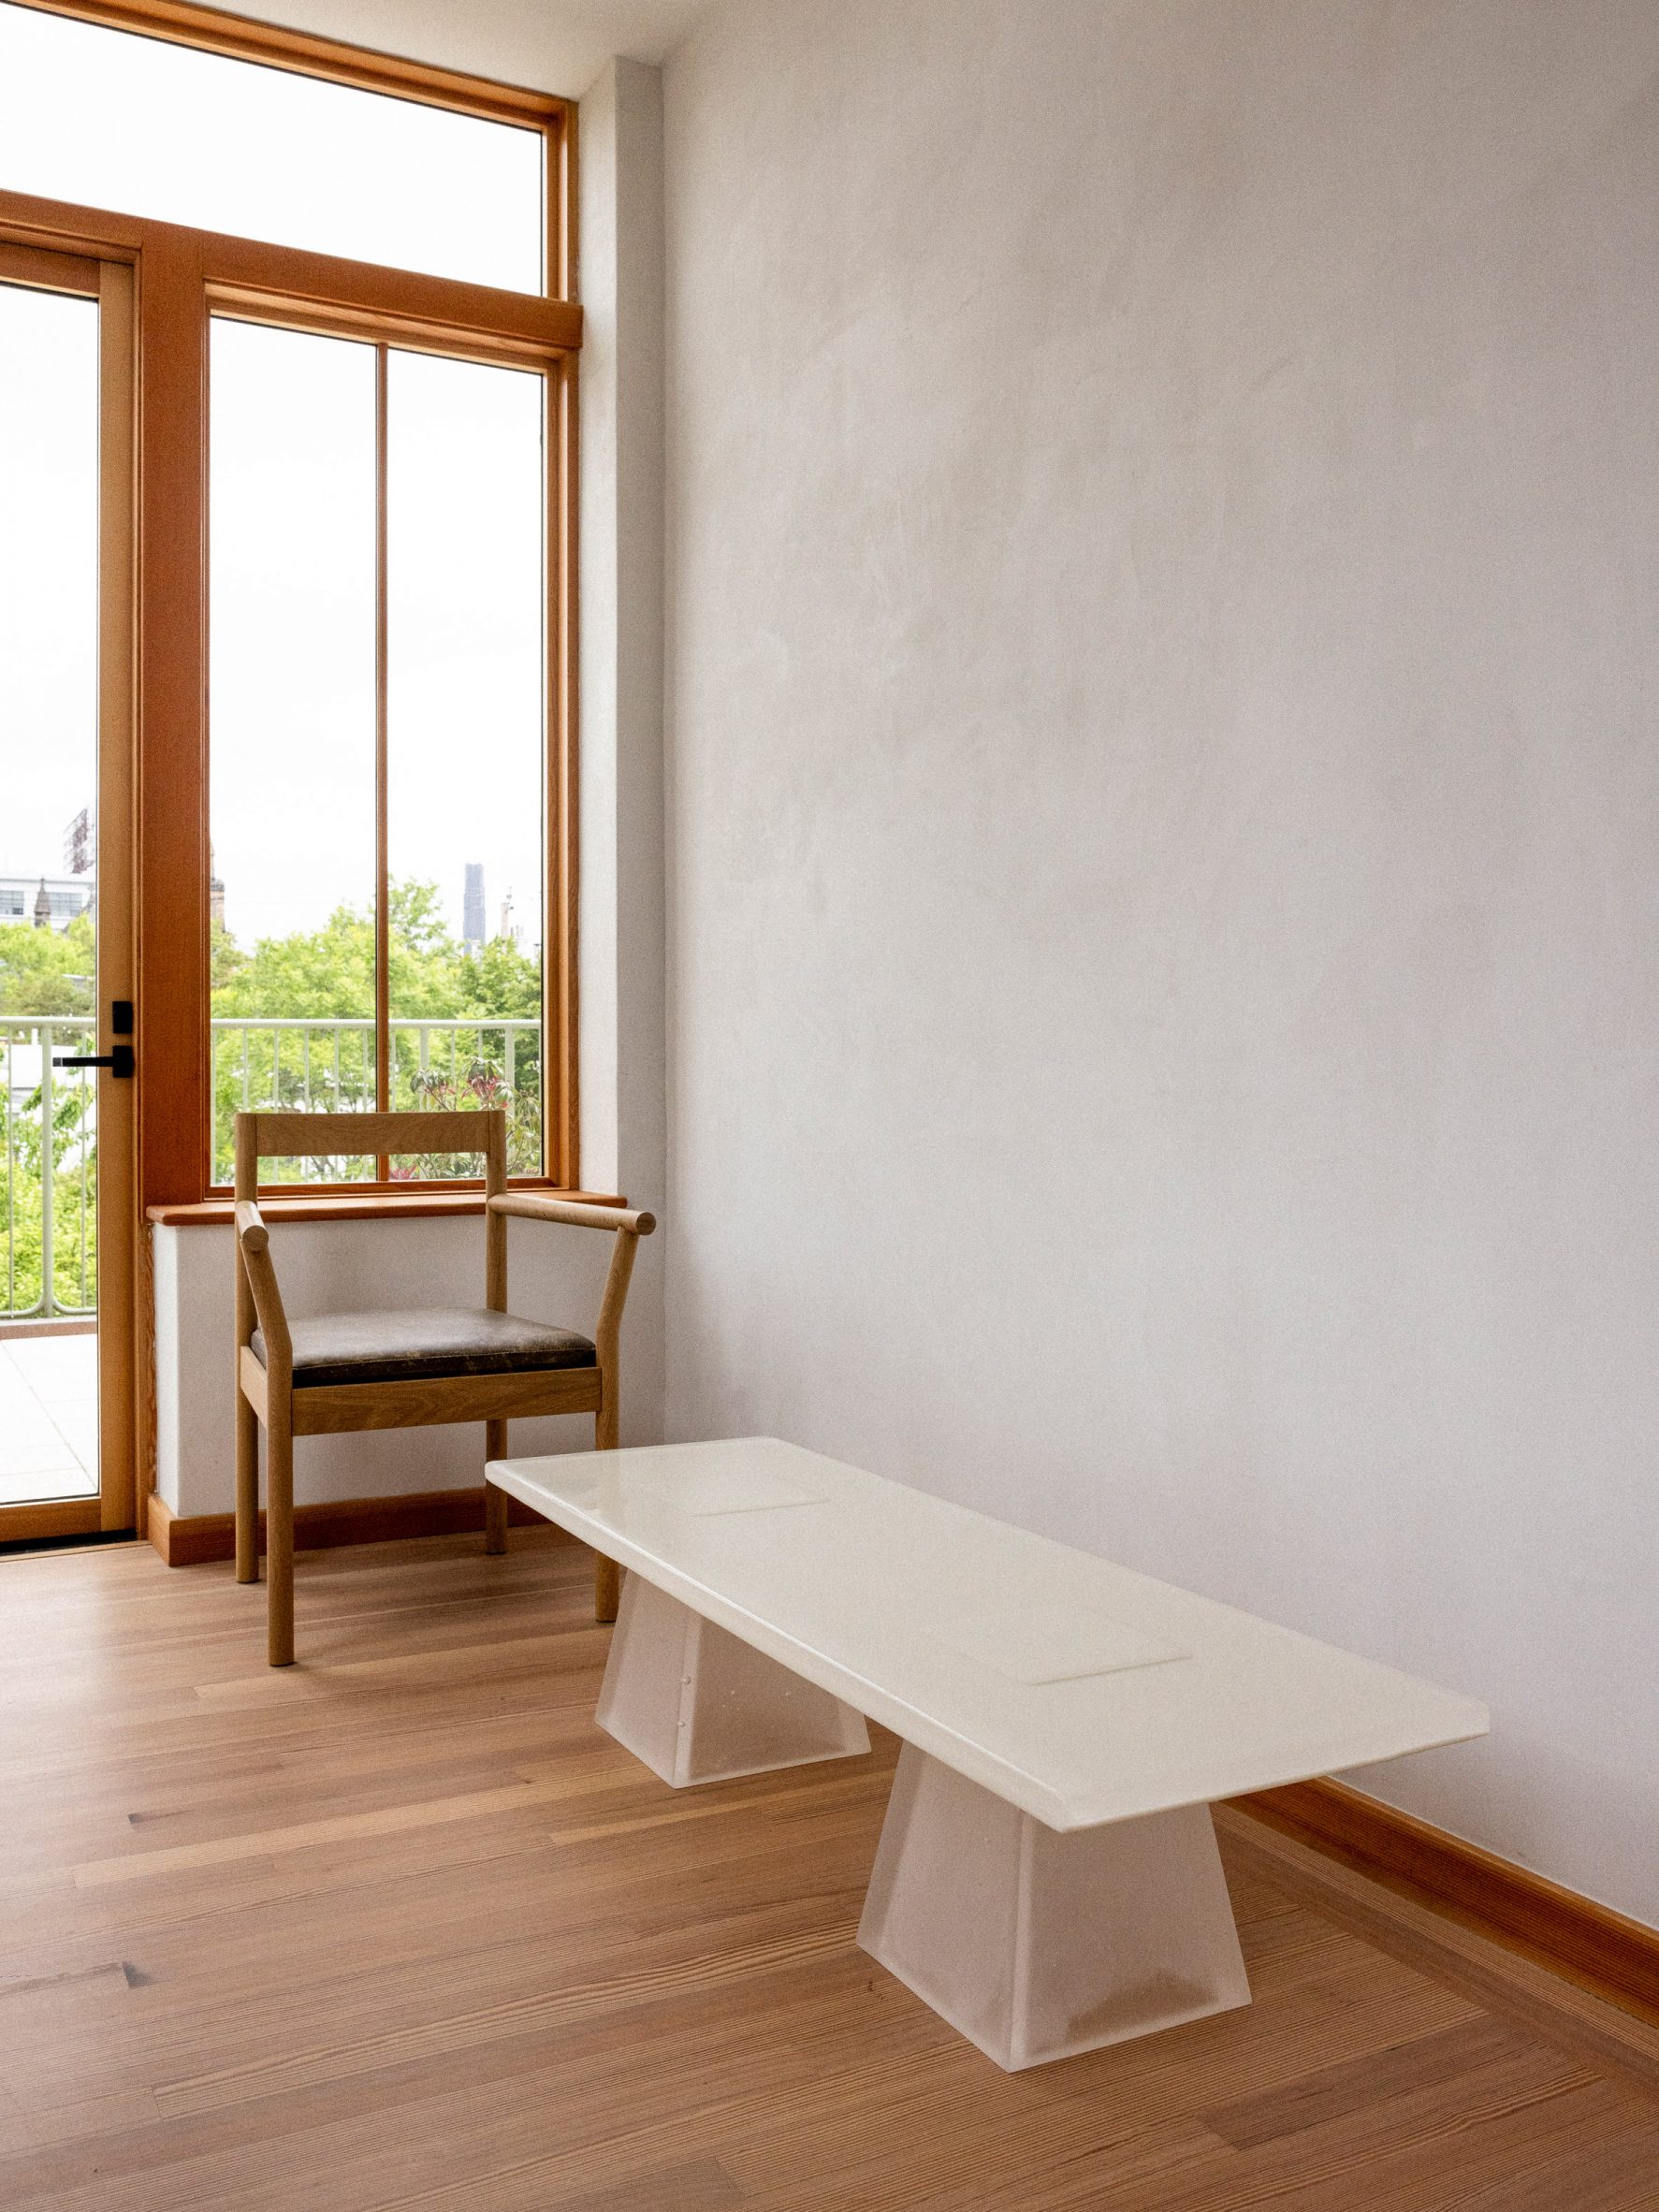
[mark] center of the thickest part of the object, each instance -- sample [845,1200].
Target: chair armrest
[626,1227]
[252,1241]
[251,1231]
[532,1206]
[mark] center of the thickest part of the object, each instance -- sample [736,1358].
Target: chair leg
[607,1575]
[279,1543]
[247,1492]
[495,1501]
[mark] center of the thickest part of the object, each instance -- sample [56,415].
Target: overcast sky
[112,121]
[292,600]
[292,524]
[49,568]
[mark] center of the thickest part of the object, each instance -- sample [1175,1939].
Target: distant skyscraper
[472,906]
[80,843]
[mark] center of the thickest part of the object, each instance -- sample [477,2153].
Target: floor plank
[401,1930]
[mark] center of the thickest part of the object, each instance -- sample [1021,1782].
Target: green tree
[505,981]
[323,974]
[47,971]
[326,976]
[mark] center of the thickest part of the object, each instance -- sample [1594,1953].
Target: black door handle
[118,1062]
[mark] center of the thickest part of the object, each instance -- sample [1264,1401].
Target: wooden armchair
[410,1369]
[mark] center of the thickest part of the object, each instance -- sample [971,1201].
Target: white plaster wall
[1162,785]
[558,46]
[619,783]
[554,1275]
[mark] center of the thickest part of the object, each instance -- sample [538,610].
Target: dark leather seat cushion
[425,1343]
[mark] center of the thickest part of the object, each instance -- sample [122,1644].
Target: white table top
[1080,1691]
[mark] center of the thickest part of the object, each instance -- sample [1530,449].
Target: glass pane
[49,666]
[107,118]
[292,614]
[466,618]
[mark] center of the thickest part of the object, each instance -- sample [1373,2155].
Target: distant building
[80,843]
[50,902]
[507,929]
[473,908]
[215,892]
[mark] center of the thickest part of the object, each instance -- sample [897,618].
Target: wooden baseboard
[191,1539]
[1603,1951]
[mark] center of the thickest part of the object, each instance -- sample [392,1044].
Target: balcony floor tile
[47,1418]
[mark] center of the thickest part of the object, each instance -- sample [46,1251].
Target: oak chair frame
[265,1393]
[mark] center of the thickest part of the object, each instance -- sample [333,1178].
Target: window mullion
[382,1035]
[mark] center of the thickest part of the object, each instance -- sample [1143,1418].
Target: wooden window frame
[182,278]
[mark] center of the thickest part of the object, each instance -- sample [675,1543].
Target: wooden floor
[399,1927]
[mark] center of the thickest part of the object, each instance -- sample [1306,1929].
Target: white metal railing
[49,1197]
[49,1201]
[303,1065]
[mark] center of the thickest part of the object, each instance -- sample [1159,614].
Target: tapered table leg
[698,1705]
[1035,1943]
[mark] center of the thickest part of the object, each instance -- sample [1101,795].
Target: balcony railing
[48,1203]
[329,1067]
[48,1261]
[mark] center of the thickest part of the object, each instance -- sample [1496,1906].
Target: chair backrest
[312,1136]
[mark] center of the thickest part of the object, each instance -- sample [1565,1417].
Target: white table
[1047,1877]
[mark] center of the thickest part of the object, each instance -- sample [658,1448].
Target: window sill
[379,1205]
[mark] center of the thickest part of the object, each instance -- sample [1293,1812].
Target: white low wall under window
[554,1275]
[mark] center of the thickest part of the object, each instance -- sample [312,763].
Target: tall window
[377,613]
[355,868]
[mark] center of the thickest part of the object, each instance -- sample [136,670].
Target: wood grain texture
[1483,1964]
[574,1210]
[39,1521]
[172,870]
[1605,1951]
[382,918]
[194,1539]
[255,1386]
[14,1330]
[333,1408]
[283,1412]
[219,31]
[299,1136]
[372,1205]
[49,272]
[561,1155]
[123,1342]
[399,1927]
